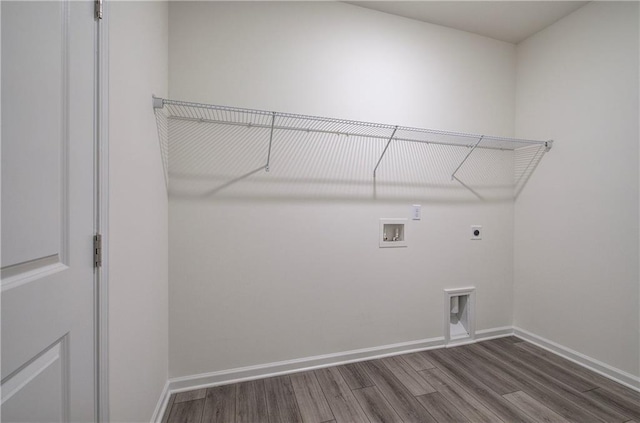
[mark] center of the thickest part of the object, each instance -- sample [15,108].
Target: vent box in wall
[459,315]
[393,233]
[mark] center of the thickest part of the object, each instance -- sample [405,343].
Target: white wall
[261,278]
[576,223]
[138,291]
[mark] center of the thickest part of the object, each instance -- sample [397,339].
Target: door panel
[33,384]
[48,150]
[33,120]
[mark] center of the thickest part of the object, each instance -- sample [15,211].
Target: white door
[48,313]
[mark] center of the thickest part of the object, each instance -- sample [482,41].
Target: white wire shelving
[268,123]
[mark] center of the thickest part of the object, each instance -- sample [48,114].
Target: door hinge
[98,6]
[97,250]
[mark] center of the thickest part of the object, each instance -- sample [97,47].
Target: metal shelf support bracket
[158,103]
[273,122]
[385,150]
[453,175]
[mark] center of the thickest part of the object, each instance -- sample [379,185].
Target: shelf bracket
[273,122]
[548,145]
[158,103]
[453,175]
[474,192]
[385,150]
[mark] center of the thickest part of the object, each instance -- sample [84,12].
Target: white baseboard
[260,371]
[481,335]
[161,406]
[242,374]
[486,334]
[620,376]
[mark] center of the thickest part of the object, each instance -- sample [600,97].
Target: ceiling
[510,21]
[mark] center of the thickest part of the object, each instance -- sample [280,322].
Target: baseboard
[161,406]
[620,376]
[486,334]
[242,374]
[260,371]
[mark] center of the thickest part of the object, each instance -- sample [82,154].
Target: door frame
[101,211]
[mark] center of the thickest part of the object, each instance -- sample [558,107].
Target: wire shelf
[247,123]
[294,122]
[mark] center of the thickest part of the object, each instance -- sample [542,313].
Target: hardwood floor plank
[251,402]
[282,406]
[191,395]
[375,406]
[535,386]
[631,409]
[355,376]
[411,379]
[187,412]
[418,361]
[489,398]
[343,404]
[532,363]
[311,401]
[556,395]
[405,404]
[468,405]
[544,389]
[220,405]
[561,373]
[500,382]
[167,411]
[583,372]
[534,408]
[441,409]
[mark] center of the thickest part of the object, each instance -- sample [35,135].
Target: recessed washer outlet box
[393,233]
[459,315]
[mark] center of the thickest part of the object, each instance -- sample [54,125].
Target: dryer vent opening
[459,315]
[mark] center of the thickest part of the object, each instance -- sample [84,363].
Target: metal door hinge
[98,5]
[97,250]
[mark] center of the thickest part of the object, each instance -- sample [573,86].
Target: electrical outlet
[476,232]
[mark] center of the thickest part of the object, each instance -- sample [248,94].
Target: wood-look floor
[502,380]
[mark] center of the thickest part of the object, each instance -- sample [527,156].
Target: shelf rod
[273,122]
[453,175]
[385,150]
